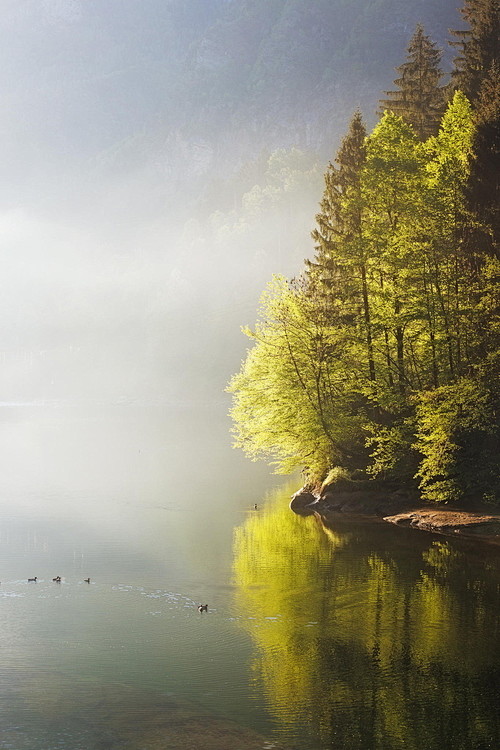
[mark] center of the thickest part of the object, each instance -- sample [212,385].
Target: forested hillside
[200,88]
[283,72]
[382,359]
[267,74]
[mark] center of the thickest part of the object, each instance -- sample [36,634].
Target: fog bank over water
[160,160]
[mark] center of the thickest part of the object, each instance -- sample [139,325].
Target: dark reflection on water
[368,636]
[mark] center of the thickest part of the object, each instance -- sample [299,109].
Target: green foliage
[451,148]
[293,401]
[458,437]
[335,476]
[392,454]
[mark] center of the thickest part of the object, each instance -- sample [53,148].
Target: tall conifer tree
[482,191]
[419,99]
[340,262]
[477,74]
[478,45]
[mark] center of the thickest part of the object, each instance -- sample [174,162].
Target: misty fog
[156,171]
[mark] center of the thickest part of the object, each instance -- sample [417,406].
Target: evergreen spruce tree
[340,262]
[419,99]
[330,231]
[477,74]
[479,46]
[483,186]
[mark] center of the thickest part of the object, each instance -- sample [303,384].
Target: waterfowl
[32,580]
[86,580]
[203,608]
[57,579]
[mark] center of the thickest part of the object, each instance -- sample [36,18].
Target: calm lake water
[360,636]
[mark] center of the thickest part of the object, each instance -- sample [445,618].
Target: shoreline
[399,507]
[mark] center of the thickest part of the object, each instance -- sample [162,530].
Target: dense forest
[381,359]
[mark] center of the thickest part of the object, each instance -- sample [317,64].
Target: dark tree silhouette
[419,99]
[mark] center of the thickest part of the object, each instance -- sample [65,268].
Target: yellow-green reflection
[369,642]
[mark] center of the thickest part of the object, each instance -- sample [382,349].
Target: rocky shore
[397,506]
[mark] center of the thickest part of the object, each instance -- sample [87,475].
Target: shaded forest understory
[381,359]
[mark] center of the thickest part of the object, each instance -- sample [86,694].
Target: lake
[355,636]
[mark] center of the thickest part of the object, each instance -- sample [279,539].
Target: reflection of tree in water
[376,643]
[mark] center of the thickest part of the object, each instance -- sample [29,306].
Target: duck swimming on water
[203,608]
